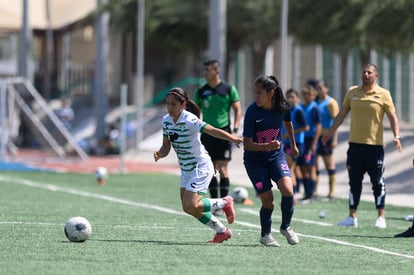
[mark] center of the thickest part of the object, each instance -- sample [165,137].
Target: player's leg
[356,164]
[287,209]
[193,187]
[376,171]
[330,166]
[222,156]
[208,143]
[260,179]
[280,173]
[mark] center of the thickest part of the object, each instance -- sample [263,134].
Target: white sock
[216,225]
[217,204]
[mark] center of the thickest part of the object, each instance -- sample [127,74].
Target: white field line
[56,188]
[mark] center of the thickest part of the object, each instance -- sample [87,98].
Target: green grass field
[139,228]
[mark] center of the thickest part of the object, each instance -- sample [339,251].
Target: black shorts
[324,150]
[217,148]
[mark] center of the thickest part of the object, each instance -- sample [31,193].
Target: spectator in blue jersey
[181,128]
[300,126]
[307,162]
[329,110]
[263,158]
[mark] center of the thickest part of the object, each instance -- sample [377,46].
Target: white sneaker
[268,240]
[349,221]
[290,235]
[380,222]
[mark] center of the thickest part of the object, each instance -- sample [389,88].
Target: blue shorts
[288,150]
[262,172]
[324,150]
[307,158]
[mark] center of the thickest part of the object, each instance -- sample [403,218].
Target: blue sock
[287,211]
[308,188]
[266,220]
[312,186]
[299,182]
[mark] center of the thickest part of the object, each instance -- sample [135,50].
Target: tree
[181,26]
[344,24]
[254,24]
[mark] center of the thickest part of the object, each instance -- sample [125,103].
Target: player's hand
[274,145]
[295,151]
[238,141]
[327,136]
[397,143]
[157,155]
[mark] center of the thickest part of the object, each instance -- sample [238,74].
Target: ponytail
[269,83]
[182,97]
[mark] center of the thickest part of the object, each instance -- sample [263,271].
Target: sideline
[56,188]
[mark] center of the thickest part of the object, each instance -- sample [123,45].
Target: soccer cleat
[221,237]
[229,209]
[406,234]
[380,222]
[349,221]
[268,240]
[290,235]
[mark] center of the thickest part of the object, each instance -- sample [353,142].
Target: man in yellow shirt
[368,103]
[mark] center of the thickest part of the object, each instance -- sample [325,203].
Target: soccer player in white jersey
[181,128]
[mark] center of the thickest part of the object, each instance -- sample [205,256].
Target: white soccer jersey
[184,138]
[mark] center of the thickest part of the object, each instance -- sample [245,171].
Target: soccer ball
[240,194]
[78,229]
[101,174]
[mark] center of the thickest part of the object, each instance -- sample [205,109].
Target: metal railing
[38,114]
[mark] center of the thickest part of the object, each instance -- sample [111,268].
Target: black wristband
[235,130]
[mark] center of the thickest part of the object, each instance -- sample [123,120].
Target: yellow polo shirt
[367,113]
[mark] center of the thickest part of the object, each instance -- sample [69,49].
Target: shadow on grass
[358,236]
[184,243]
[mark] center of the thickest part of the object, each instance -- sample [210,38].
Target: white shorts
[198,180]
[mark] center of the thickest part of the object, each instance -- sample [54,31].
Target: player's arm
[218,133]
[317,118]
[291,133]
[164,150]
[392,116]
[236,106]
[301,121]
[250,145]
[333,109]
[339,119]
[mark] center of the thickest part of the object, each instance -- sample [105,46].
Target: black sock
[224,187]
[213,188]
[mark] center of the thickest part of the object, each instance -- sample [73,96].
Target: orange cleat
[229,209]
[221,237]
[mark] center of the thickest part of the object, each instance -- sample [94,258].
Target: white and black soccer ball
[240,194]
[78,229]
[101,173]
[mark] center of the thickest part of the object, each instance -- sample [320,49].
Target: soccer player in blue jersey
[300,126]
[329,110]
[307,162]
[181,128]
[264,159]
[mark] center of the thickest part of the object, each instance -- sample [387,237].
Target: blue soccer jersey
[263,126]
